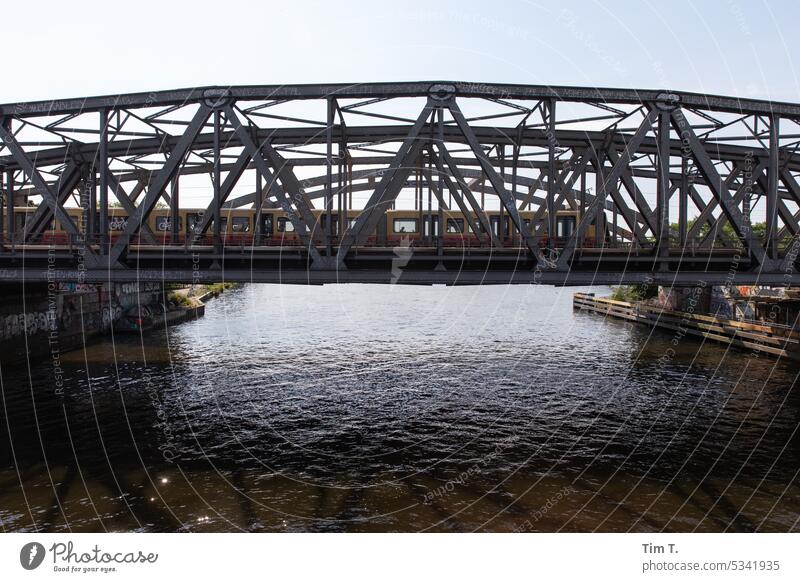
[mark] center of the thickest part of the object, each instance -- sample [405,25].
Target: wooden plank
[756,337]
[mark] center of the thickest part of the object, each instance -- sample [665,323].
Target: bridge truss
[673,185]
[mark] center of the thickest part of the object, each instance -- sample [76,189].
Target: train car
[411,225]
[398,227]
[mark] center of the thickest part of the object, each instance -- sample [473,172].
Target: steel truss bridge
[673,183]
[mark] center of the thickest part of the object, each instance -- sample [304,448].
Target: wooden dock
[773,339]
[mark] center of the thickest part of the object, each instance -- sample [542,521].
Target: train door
[380,231]
[565,226]
[266,225]
[431,220]
[323,223]
[193,220]
[495,224]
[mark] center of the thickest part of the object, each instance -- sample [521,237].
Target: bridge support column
[102,164]
[663,189]
[695,299]
[2,207]
[217,179]
[10,205]
[772,187]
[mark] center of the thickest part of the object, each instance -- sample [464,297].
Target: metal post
[9,191]
[501,219]
[421,223]
[340,182]
[582,208]
[600,200]
[746,207]
[551,173]
[347,195]
[2,207]
[430,207]
[91,209]
[329,180]
[683,202]
[772,188]
[350,184]
[440,205]
[614,222]
[515,162]
[439,120]
[217,180]
[10,204]
[174,211]
[103,164]
[662,184]
[259,202]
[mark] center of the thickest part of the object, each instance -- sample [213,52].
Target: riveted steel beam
[159,183]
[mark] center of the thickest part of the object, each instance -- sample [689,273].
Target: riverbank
[199,294]
[773,339]
[41,322]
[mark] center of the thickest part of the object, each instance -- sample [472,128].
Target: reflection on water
[380,408]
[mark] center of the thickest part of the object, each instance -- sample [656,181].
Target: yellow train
[238,227]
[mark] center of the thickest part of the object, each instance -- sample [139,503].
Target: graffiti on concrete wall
[77,288]
[70,313]
[18,324]
[134,288]
[111,313]
[720,304]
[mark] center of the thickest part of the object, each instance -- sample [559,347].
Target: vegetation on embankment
[633,293]
[217,288]
[182,299]
[191,296]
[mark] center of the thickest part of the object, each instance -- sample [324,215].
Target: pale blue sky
[66,49]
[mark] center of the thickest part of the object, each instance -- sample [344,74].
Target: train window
[405,225]
[117,223]
[480,227]
[223,225]
[285,225]
[266,225]
[241,224]
[455,225]
[565,226]
[164,223]
[193,221]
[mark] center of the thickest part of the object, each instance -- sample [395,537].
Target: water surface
[394,408]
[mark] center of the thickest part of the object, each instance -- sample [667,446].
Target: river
[399,408]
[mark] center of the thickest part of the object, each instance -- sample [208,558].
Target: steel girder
[734,160]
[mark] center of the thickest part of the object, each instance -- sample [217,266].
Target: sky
[74,49]
[80,48]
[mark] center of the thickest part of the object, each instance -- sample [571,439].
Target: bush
[633,293]
[217,288]
[179,299]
